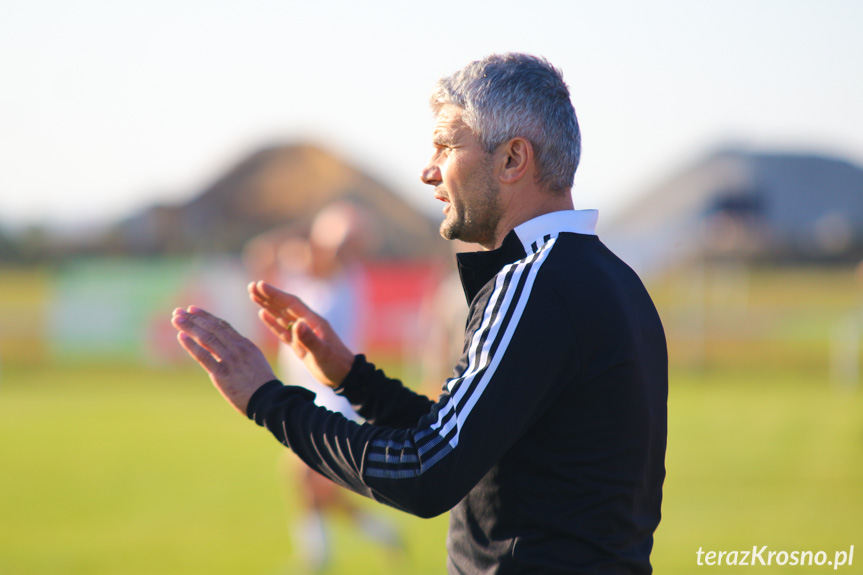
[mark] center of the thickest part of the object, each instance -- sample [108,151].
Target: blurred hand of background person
[309,335]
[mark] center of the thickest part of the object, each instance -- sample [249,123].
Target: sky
[107,107]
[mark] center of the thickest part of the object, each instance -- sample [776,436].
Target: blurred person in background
[325,269]
[442,317]
[547,445]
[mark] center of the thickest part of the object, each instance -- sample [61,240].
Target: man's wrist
[259,394]
[345,365]
[356,375]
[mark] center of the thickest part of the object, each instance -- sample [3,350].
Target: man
[548,442]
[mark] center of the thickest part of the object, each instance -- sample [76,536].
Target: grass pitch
[120,469]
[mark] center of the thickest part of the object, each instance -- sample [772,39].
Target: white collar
[553,223]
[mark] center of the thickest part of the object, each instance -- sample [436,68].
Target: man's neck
[520,212]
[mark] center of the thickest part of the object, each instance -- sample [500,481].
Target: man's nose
[431,175]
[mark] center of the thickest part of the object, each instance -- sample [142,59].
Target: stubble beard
[477,222]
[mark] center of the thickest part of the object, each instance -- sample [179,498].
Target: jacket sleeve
[381,400]
[518,358]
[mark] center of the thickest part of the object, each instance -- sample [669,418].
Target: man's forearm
[344,451]
[381,400]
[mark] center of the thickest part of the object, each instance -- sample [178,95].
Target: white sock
[379,529]
[311,536]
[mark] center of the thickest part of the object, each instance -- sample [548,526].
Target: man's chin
[446,233]
[456,229]
[448,229]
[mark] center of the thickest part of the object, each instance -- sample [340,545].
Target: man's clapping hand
[308,334]
[236,366]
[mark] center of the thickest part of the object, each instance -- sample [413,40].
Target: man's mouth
[445,200]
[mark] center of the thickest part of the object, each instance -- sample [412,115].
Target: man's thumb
[308,337]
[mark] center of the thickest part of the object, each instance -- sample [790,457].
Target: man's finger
[281,303]
[207,320]
[309,338]
[200,354]
[271,306]
[203,331]
[279,327]
[332,359]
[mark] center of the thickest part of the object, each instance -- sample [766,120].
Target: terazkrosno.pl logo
[758,556]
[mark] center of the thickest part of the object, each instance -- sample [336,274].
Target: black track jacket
[547,444]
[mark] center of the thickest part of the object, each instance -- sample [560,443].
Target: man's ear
[517,160]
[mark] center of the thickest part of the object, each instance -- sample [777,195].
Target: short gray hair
[504,96]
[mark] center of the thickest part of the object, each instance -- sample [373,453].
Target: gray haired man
[547,444]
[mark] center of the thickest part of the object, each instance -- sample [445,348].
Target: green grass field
[128,470]
[123,469]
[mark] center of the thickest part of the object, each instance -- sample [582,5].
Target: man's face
[462,174]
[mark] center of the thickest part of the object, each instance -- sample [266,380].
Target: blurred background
[160,154]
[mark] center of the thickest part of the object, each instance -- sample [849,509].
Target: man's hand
[236,366]
[308,334]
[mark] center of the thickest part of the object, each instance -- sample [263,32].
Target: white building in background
[746,206]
